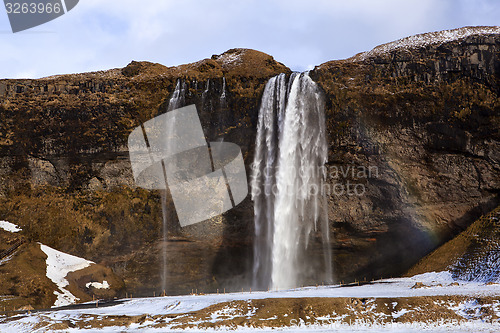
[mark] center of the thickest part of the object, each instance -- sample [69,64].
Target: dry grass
[474,241]
[288,312]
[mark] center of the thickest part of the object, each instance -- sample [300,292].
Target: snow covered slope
[59,264]
[473,255]
[422,40]
[424,302]
[38,276]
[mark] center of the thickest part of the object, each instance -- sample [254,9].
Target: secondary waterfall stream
[213,99]
[176,101]
[287,180]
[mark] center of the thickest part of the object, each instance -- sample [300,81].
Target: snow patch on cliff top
[231,58]
[421,40]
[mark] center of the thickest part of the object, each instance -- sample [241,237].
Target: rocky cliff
[414,157]
[424,111]
[65,176]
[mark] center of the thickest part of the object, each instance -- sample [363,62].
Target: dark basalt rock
[65,176]
[425,120]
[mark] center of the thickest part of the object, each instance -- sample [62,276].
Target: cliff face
[413,128]
[423,114]
[65,176]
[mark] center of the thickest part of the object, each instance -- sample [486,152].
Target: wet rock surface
[419,127]
[425,119]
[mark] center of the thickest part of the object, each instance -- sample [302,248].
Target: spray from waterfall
[287,180]
[177,100]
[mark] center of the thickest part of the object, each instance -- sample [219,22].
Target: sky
[105,34]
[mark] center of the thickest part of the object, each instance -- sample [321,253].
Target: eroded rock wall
[419,127]
[426,120]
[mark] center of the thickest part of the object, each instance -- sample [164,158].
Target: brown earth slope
[24,281]
[472,255]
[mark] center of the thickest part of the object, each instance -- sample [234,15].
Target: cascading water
[163,272]
[263,176]
[223,101]
[205,93]
[287,181]
[177,100]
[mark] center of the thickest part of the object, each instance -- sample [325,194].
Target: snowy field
[470,307]
[439,285]
[430,284]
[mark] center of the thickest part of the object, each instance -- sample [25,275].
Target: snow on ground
[436,284]
[98,285]
[59,264]
[431,284]
[439,285]
[466,327]
[10,227]
[422,40]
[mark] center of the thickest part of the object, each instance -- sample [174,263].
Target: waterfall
[223,101]
[163,273]
[263,179]
[287,177]
[205,93]
[177,100]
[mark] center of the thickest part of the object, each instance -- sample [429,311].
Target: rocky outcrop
[66,179]
[470,256]
[413,157]
[422,113]
[66,130]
